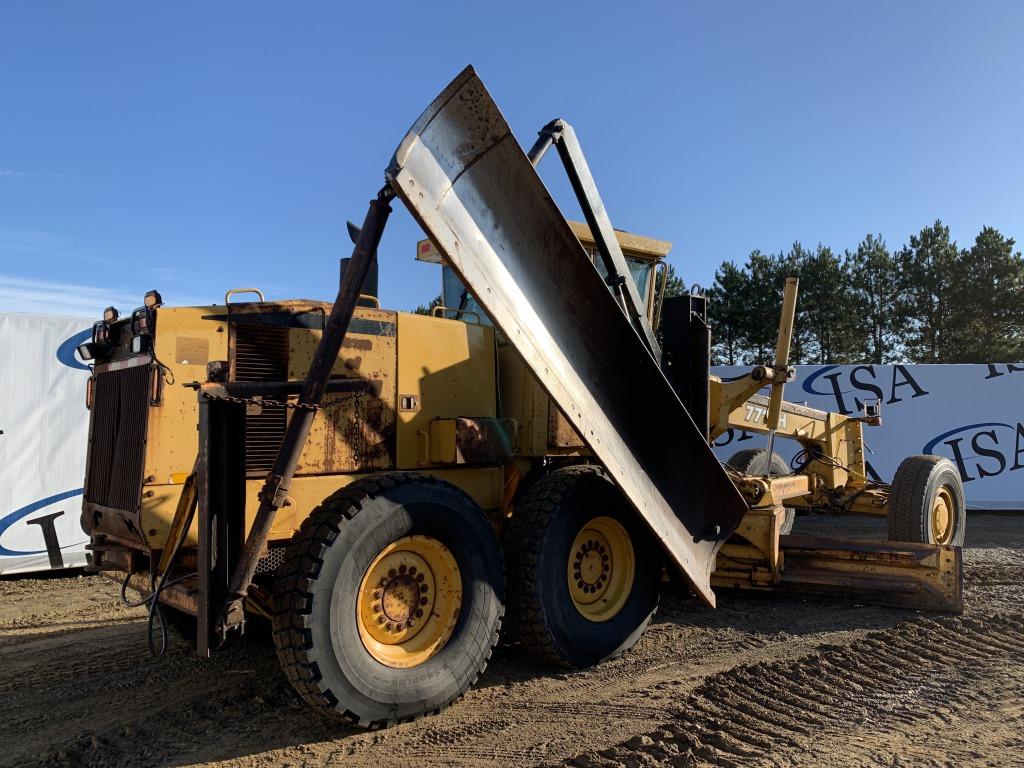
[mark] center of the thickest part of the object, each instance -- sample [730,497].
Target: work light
[110,314]
[101,332]
[152,299]
[142,321]
[86,351]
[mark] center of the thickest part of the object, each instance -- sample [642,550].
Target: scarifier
[380,486]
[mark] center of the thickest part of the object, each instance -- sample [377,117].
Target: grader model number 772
[392,490]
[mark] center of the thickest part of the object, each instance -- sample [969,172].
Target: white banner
[44,424]
[971,414]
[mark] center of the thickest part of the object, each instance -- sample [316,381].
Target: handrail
[233,291]
[434,312]
[368,297]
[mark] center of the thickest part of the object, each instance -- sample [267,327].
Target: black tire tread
[908,485]
[522,547]
[293,595]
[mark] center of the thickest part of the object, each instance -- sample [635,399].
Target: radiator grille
[261,354]
[118,441]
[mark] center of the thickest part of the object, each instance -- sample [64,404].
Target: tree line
[930,301]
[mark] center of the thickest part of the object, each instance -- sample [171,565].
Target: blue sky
[195,147]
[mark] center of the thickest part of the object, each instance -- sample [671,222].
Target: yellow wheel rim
[942,516]
[409,601]
[601,569]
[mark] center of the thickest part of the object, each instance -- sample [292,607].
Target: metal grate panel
[118,439]
[261,354]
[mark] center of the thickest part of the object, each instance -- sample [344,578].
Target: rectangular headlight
[141,344]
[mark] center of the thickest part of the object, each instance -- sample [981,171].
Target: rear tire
[927,503]
[584,572]
[751,461]
[349,624]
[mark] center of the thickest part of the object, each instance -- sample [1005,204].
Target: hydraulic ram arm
[274,494]
[563,137]
[474,191]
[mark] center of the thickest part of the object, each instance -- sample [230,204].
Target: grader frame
[589,351]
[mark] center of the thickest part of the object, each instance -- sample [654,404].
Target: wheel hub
[942,516]
[592,567]
[404,594]
[409,601]
[601,569]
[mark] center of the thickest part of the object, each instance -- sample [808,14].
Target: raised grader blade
[476,194]
[464,177]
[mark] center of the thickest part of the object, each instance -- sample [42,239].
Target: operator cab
[644,255]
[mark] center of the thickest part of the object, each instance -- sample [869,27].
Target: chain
[263,403]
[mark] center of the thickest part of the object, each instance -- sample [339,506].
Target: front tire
[583,570]
[389,601]
[927,503]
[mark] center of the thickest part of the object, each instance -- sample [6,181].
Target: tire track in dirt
[775,713]
[80,689]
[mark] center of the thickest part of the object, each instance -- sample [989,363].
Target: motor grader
[390,490]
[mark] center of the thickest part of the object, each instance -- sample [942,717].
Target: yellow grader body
[358,476]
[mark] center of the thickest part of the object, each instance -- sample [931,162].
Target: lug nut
[383,582]
[392,573]
[401,569]
[376,594]
[419,613]
[377,608]
[424,588]
[423,601]
[419,576]
[410,623]
[412,570]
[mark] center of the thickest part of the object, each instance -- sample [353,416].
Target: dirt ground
[761,681]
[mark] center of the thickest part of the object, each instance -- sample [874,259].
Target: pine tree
[428,309]
[727,306]
[928,267]
[763,299]
[876,298]
[826,308]
[987,318]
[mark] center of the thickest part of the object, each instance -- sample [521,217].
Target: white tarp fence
[42,449]
[971,414]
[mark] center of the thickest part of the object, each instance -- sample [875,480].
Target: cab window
[461,304]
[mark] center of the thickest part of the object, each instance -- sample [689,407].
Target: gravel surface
[763,680]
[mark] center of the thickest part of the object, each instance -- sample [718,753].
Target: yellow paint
[601,569]
[354,434]
[172,442]
[485,485]
[409,601]
[445,369]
